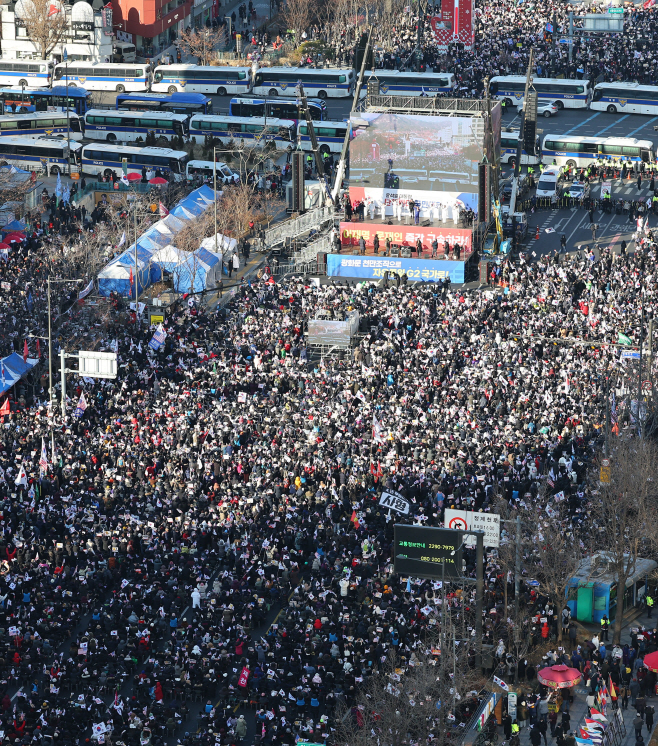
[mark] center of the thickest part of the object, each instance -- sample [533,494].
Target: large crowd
[234,473]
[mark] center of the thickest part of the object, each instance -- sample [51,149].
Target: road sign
[97,364]
[632,354]
[424,552]
[467,520]
[604,475]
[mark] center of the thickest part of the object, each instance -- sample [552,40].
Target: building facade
[89,35]
[151,25]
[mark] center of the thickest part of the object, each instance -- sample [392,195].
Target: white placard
[467,520]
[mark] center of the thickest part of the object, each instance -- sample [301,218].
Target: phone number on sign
[425,274]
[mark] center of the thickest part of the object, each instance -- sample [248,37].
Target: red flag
[39,349]
[244,677]
[5,408]
[25,352]
[354,519]
[131,277]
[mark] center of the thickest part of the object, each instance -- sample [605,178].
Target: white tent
[222,245]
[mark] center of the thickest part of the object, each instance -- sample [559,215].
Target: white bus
[32,73]
[508,144]
[127,126]
[256,131]
[323,83]
[40,123]
[201,79]
[104,76]
[397,83]
[625,98]
[330,136]
[205,169]
[102,160]
[51,154]
[577,152]
[567,94]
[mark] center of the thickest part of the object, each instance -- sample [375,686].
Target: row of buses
[214,80]
[623,97]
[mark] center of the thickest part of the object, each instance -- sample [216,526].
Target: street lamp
[50,365]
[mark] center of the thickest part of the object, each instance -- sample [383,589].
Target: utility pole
[554,41]
[479,595]
[519,145]
[570,37]
[419,35]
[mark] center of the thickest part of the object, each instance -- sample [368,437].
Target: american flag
[551,483]
[82,405]
[162,210]
[43,460]
[158,338]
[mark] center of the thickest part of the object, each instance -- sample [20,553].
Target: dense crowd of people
[233,473]
[519,28]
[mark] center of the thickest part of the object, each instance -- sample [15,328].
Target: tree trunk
[619,614]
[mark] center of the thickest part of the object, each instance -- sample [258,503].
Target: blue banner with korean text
[373,268]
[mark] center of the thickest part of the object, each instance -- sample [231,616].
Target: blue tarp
[115,276]
[15,225]
[15,369]
[201,270]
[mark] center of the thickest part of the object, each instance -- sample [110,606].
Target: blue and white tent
[191,272]
[15,368]
[115,277]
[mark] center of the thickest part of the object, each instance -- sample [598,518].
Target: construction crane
[319,164]
[340,169]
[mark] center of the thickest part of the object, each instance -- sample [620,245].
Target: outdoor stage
[422,268]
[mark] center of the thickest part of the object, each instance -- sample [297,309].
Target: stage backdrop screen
[432,160]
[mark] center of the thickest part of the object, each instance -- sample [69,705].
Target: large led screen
[432,160]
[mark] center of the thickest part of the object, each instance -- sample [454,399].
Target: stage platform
[403,238]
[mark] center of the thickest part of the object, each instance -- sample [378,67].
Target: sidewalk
[578,709]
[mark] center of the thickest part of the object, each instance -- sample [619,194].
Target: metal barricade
[314,219]
[310,253]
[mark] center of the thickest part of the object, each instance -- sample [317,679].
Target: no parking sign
[467,520]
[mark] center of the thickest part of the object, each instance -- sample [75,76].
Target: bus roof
[137,114]
[23,140]
[173,68]
[307,72]
[626,84]
[273,99]
[244,120]
[35,115]
[521,79]
[111,65]
[131,149]
[401,73]
[606,140]
[324,123]
[57,90]
[184,98]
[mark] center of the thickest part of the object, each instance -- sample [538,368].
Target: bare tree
[203,43]
[46,23]
[624,510]
[297,15]
[414,696]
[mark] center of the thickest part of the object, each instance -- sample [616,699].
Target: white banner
[394,501]
[467,520]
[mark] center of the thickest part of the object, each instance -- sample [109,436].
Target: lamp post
[50,365]
[68,122]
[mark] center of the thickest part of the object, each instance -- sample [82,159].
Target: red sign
[455,24]
[405,235]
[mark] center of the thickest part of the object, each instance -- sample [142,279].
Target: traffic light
[360,51]
[298,181]
[484,193]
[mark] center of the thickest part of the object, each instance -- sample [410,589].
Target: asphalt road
[573,223]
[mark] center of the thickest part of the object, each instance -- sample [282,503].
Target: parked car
[549,109]
[506,187]
[577,190]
